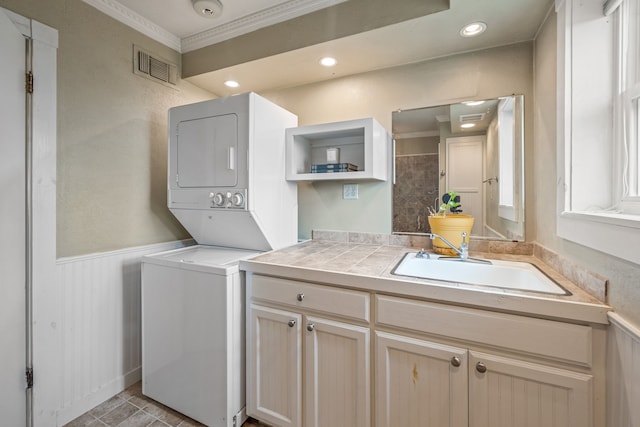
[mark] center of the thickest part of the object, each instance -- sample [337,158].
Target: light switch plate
[350,191]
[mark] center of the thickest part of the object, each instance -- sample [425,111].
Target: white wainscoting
[623,374]
[100,340]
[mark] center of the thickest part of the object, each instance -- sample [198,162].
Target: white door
[465,169]
[420,383]
[12,224]
[505,392]
[337,374]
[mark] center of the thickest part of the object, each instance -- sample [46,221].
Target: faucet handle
[464,238]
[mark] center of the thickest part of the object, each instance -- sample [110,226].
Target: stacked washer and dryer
[226,185]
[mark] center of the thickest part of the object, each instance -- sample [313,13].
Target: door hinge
[29,82]
[29,377]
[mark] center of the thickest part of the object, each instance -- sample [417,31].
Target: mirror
[474,148]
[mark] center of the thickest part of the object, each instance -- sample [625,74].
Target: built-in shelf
[361,142]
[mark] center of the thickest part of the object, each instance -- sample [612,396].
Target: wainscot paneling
[100,342]
[623,374]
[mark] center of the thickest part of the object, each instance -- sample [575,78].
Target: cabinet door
[274,389]
[507,392]
[420,383]
[337,374]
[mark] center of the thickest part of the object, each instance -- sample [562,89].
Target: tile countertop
[368,267]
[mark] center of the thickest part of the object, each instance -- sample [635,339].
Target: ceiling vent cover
[471,117]
[151,66]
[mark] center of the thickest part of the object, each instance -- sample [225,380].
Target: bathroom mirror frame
[491,189]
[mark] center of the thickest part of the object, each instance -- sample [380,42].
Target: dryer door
[207,150]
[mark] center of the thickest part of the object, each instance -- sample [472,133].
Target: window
[598,116]
[506,159]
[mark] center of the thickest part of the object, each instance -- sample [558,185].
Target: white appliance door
[207,152]
[12,224]
[186,340]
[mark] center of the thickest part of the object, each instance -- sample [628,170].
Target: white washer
[193,326]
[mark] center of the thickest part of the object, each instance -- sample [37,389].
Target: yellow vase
[450,227]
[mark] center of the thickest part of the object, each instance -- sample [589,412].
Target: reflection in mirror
[473,148]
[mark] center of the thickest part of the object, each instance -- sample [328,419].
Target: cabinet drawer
[557,340]
[341,302]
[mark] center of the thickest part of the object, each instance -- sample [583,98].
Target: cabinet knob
[300,297]
[311,327]
[455,361]
[291,323]
[481,367]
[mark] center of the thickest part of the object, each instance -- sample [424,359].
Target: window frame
[606,229]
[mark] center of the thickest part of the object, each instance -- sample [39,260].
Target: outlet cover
[350,191]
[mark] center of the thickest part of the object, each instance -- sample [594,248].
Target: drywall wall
[111,178]
[478,75]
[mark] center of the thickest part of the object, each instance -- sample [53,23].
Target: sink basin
[520,276]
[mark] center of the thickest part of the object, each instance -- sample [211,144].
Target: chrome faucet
[462,251]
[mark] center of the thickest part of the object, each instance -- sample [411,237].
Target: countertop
[368,267]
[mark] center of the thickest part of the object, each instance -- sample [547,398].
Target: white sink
[501,274]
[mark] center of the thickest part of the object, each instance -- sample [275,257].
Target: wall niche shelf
[361,142]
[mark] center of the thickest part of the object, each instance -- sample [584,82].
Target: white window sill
[613,233]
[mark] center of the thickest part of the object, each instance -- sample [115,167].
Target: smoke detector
[207,8]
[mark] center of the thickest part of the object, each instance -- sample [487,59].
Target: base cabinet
[307,370]
[433,385]
[309,350]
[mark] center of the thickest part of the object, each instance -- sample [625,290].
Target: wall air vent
[153,67]
[471,117]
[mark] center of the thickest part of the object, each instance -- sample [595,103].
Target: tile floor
[131,408]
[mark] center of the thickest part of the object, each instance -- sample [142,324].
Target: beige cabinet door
[274,350]
[337,374]
[420,383]
[505,392]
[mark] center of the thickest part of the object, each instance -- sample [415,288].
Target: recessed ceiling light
[328,61]
[231,83]
[473,29]
[467,125]
[472,103]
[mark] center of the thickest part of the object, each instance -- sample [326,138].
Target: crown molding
[136,21]
[289,10]
[282,12]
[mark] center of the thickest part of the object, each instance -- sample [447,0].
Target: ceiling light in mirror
[231,83]
[473,29]
[472,103]
[467,125]
[328,61]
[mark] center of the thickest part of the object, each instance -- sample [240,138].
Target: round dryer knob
[237,199]
[218,199]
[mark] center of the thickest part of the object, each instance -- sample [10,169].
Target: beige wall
[111,177]
[624,285]
[487,74]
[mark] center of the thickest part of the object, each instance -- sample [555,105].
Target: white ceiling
[428,37]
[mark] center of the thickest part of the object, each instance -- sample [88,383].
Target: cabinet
[361,142]
[304,358]
[494,389]
[435,385]
[436,365]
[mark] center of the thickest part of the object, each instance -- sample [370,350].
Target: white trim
[623,324]
[289,10]
[136,21]
[154,247]
[614,237]
[282,12]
